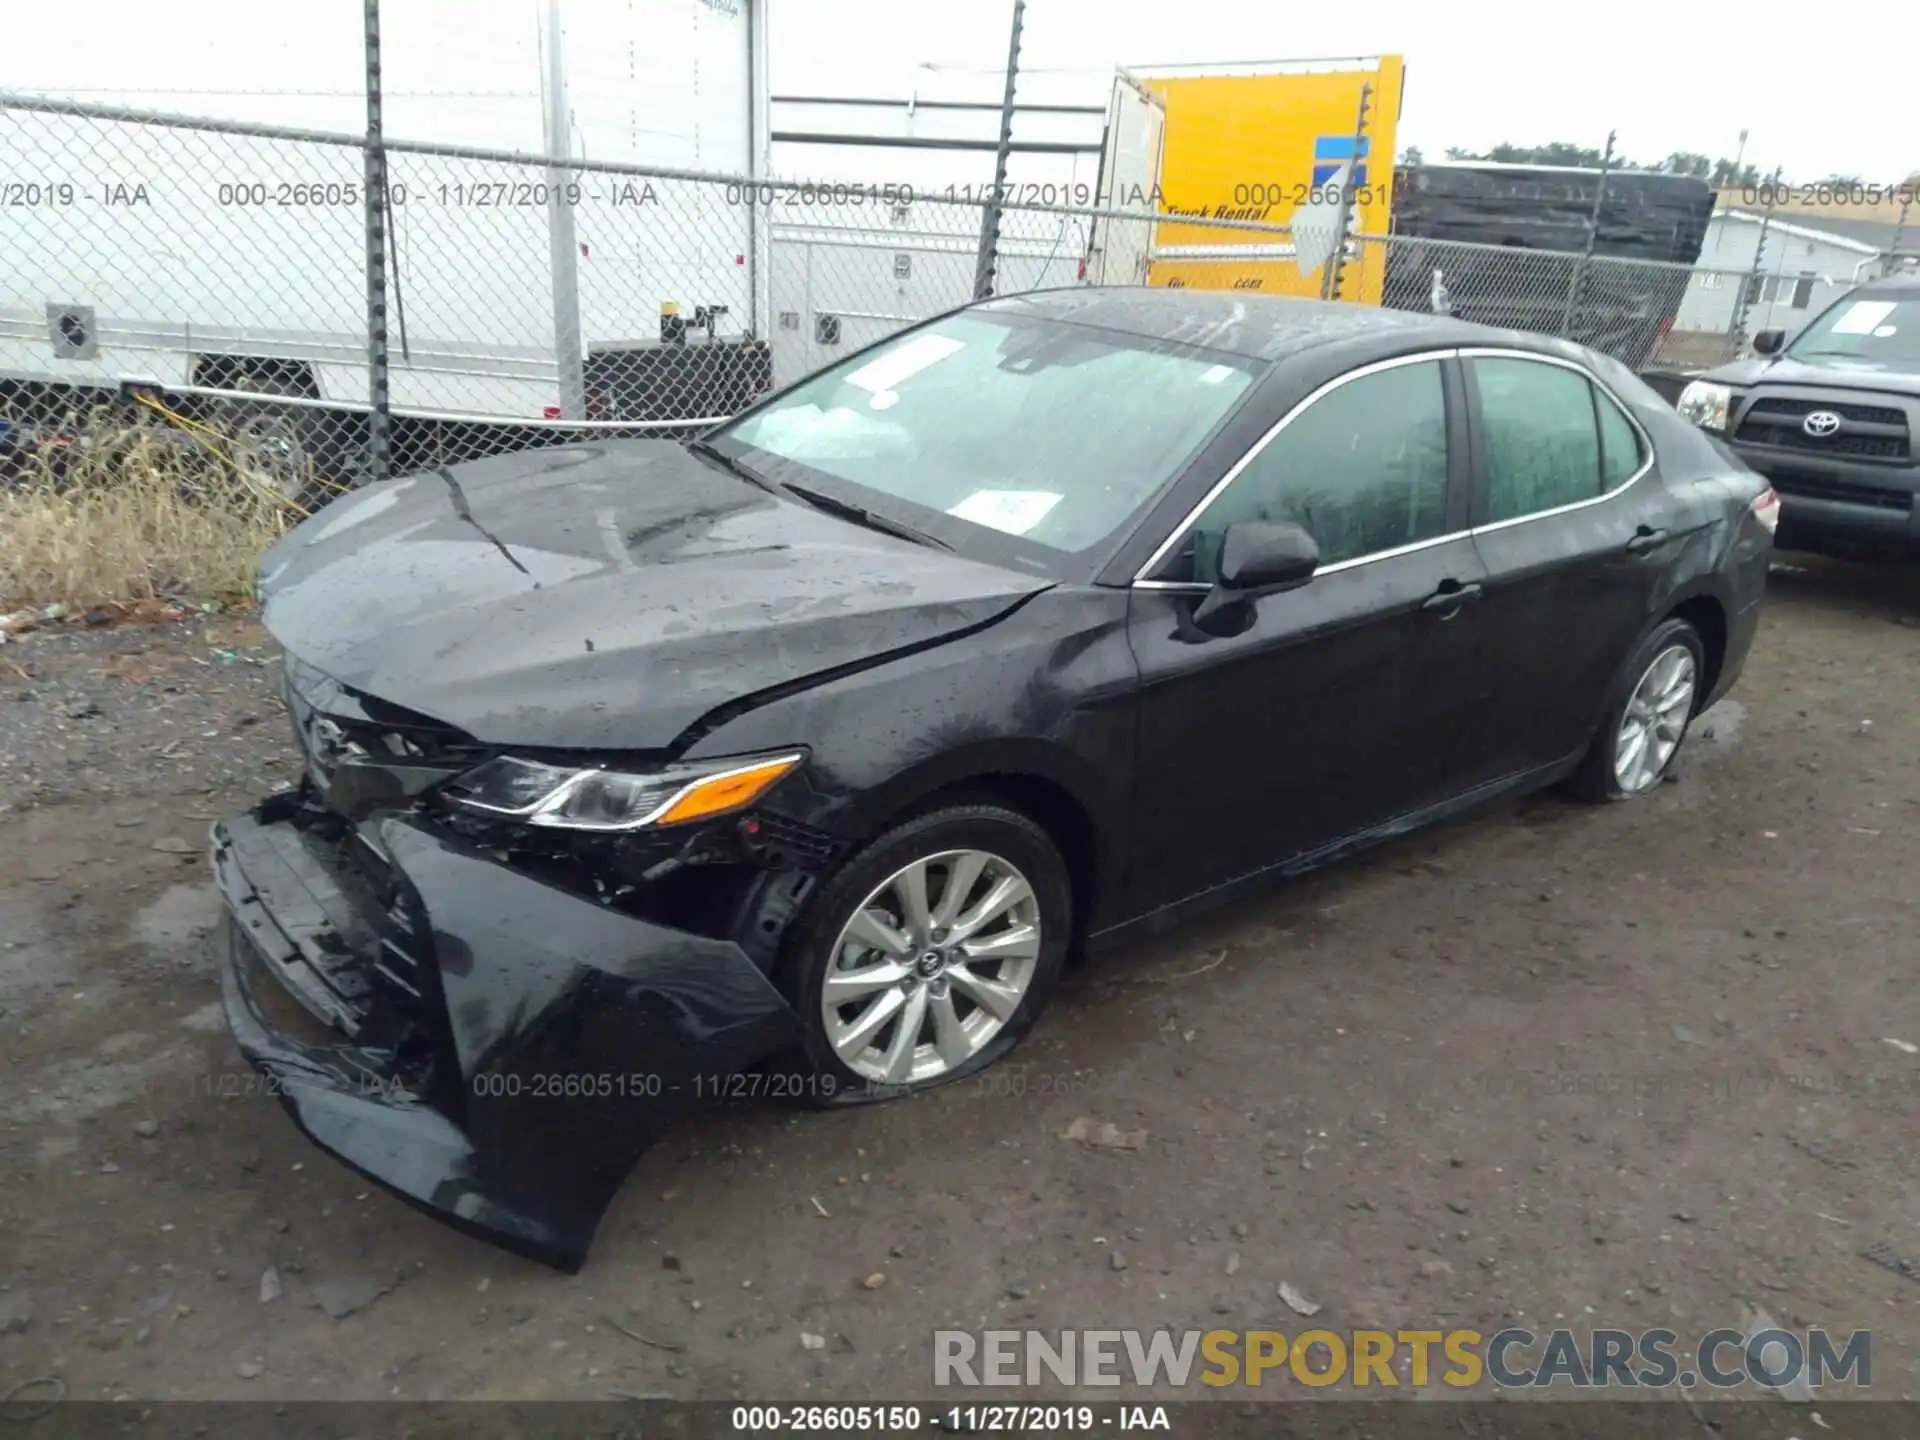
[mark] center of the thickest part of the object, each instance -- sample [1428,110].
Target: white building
[1804,263]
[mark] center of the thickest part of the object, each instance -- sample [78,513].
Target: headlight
[570,798]
[1705,404]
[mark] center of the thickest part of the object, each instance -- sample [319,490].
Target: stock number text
[789,1418]
[297,194]
[1829,192]
[1299,192]
[850,193]
[572,1085]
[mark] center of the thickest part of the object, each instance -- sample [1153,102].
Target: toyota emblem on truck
[1820,423]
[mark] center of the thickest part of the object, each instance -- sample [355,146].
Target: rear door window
[1540,437]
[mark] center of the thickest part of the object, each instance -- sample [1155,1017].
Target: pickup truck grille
[1867,432]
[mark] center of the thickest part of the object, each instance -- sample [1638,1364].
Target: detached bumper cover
[500,1051]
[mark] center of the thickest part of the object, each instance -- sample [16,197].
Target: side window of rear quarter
[1621,452]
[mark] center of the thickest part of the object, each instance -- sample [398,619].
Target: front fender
[1046,695]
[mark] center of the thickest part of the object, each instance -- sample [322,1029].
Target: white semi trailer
[193,257]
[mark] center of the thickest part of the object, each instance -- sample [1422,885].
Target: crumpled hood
[1759,370]
[603,596]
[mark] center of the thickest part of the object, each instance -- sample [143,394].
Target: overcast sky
[1668,75]
[1671,75]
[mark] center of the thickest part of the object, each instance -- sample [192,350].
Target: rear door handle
[1451,596]
[1644,540]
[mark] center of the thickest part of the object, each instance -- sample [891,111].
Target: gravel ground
[1600,1066]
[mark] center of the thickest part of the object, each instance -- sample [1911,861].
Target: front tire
[1657,693]
[930,953]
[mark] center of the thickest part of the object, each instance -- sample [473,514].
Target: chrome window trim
[1495,352]
[1455,352]
[1174,535]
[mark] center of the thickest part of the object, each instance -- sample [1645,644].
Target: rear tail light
[1766,509]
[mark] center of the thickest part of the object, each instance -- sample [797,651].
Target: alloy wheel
[270,445]
[931,966]
[1654,721]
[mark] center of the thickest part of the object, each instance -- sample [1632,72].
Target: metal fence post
[374,178]
[1349,203]
[1593,238]
[990,222]
[1737,332]
[563,249]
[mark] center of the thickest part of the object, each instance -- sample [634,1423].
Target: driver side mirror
[1260,557]
[1768,342]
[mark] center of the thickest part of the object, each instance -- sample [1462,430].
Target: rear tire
[1654,699]
[970,972]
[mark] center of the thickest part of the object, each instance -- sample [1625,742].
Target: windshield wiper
[712,453]
[860,515]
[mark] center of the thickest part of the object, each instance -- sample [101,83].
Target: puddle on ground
[1718,726]
[177,918]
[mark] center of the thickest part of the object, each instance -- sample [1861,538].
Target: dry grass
[132,512]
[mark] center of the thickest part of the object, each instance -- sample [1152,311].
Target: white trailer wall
[187,243]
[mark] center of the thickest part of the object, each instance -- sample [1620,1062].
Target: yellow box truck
[1279,144]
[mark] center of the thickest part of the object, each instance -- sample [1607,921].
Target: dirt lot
[1621,1066]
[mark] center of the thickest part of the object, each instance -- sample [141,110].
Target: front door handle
[1450,597]
[1645,539]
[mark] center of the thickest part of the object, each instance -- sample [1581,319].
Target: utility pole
[990,222]
[374,182]
[563,249]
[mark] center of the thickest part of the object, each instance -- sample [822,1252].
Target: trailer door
[1129,173]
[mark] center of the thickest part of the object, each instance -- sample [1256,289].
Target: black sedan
[797,761]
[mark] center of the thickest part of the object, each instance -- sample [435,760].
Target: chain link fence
[210,278]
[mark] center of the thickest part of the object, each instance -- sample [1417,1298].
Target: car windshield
[1880,332]
[1031,428]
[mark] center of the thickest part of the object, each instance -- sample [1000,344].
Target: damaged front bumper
[493,1048]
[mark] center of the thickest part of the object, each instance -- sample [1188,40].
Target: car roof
[1900,287]
[1258,327]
